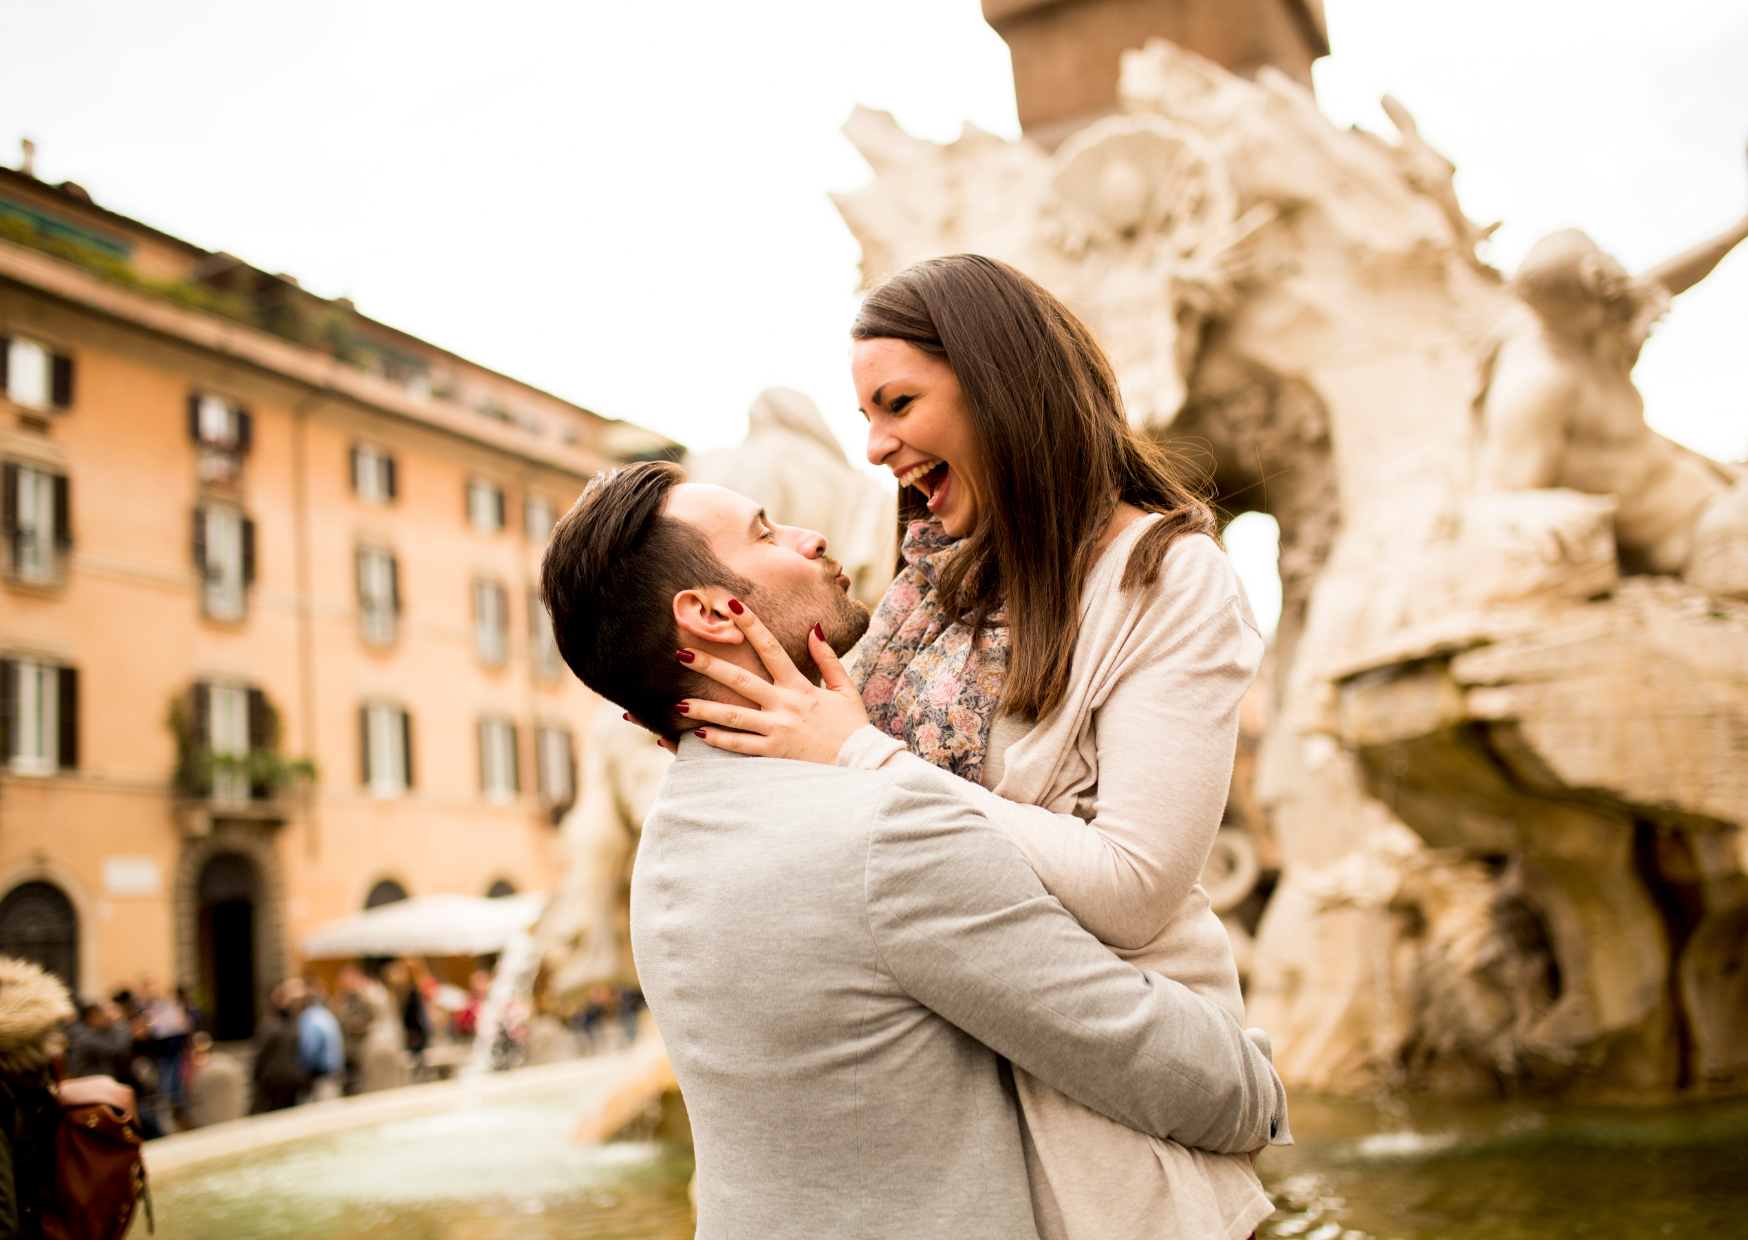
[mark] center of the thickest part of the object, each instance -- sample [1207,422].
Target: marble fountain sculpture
[1508,768]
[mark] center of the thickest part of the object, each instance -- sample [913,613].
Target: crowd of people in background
[147,1040]
[383,1022]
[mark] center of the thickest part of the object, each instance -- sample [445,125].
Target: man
[320,1045]
[840,961]
[99,1042]
[355,1014]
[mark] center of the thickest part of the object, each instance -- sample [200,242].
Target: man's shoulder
[767,783]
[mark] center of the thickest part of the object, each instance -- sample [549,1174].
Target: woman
[1067,638]
[33,1010]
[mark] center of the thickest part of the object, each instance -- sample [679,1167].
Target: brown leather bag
[100,1175]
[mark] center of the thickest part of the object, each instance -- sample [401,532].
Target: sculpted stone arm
[1524,414]
[967,929]
[1686,270]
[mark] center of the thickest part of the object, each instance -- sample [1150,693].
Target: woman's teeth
[914,474]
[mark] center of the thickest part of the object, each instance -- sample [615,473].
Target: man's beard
[791,618]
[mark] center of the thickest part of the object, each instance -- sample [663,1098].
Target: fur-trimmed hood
[34,1008]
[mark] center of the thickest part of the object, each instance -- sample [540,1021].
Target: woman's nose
[882,443]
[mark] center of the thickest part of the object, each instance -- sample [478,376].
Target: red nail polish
[681,707]
[735,607]
[819,632]
[628,718]
[685,656]
[699,734]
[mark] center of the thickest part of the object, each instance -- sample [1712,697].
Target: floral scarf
[922,679]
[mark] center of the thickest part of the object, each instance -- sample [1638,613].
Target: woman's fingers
[738,717]
[735,742]
[743,682]
[770,652]
[831,672]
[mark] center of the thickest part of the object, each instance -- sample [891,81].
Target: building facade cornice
[318,373]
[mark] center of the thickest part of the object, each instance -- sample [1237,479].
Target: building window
[224,556]
[39,716]
[37,523]
[485,505]
[228,750]
[491,606]
[373,474]
[539,516]
[497,759]
[227,738]
[387,734]
[219,425]
[34,376]
[379,595]
[385,892]
[542,646]
[552,761]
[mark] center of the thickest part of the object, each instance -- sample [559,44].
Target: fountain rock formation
[1508,769]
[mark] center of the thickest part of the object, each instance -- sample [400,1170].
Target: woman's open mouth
[933,478]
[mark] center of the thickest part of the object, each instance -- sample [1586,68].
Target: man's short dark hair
[609,578]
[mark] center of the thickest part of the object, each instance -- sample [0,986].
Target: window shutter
[355,472]
[245,431]
[61,391]
[194,416]
[199,717]
[394,583]
[498,493]
[364,746]
[262,724]
[5,360]
[359,558]
[69,758]
[388,476]
[63,512]
[8,692]
[485,757]
[9,517]
[200,541]
[515,762]
[248,552]
[407,749]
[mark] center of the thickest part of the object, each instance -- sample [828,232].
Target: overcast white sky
[626,203]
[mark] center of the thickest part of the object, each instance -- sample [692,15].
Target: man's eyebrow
[877,392]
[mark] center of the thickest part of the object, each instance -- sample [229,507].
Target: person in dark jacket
[34,1007]
[279,1074]
[99,1042]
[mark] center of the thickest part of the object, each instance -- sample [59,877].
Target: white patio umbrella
[435,925]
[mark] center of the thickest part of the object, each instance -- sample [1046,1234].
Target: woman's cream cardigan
[1114,799]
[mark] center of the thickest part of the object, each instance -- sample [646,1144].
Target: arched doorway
[498,890]
[37,923]
[386,892]
[230,896]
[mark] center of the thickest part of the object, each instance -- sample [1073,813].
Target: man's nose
[809,543]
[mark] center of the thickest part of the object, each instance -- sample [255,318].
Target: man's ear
[702,615]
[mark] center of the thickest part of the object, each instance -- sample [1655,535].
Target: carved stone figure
[1505,780]
[1559,409]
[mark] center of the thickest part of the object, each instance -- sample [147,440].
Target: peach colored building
[268,643]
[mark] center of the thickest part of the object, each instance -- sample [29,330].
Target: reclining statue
[1558,408]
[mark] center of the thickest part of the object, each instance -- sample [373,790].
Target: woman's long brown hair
[1058,454]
